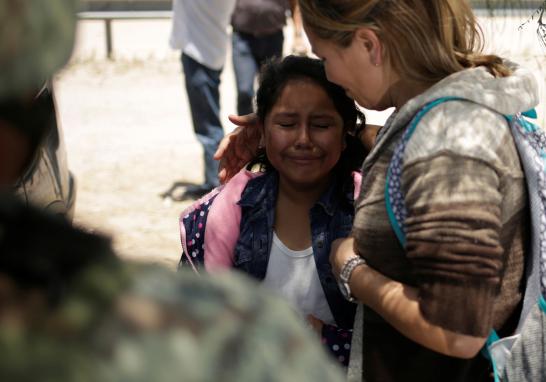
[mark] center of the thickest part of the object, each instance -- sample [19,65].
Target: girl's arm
[398,304]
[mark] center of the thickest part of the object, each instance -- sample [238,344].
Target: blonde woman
[429,304]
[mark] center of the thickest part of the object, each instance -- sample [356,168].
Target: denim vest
[331,218]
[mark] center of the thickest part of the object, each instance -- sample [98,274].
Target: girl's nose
[303,138]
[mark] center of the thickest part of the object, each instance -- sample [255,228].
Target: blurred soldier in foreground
[71,311]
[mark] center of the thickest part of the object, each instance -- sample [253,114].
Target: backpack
[522,356]
[192,223]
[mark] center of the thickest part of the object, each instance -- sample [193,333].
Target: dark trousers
[202,87]
[249,53]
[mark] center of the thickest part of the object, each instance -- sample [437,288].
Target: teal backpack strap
[532,113]
[542,304]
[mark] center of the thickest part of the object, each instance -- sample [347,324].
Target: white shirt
[293,275]
[200,30]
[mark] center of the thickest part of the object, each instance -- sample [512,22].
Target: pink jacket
[222,230]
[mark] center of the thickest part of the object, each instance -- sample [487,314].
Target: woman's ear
[368,39]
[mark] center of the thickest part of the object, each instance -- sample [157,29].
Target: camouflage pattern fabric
[36,39]
[145,323]
[70,310]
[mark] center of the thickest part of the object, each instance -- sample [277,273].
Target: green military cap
[36,39]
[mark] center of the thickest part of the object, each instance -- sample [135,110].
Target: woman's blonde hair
[424,40]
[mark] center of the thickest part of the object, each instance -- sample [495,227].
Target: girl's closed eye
[285,119]
[322,123]
[286,124]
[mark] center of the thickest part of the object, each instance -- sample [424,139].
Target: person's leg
[267,47]
[202,86]
[245,68]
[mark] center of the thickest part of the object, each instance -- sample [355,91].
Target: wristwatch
[345,275]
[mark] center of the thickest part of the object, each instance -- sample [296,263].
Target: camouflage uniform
[70,310]
[36,39]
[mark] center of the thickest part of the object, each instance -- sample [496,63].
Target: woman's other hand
[368,135]
[398,304]
[238,147]
[340,252]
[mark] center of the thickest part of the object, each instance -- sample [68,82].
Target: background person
[200,31]
[258,36]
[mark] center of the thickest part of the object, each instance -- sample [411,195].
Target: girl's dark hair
[276,73]
[274,76]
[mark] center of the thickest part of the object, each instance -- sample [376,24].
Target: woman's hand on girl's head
[340,251]
[238,147]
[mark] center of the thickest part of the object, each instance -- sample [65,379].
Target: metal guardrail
[506,4]
[109,16]
[125,5]
[165,5]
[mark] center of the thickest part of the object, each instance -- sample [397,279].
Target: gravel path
[128,140]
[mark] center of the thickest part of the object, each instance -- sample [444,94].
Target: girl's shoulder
[232,191]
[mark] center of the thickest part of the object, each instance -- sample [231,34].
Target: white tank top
[293,275]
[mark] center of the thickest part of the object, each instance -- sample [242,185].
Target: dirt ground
[128,140]
[129,136]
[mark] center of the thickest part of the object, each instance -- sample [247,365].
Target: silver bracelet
[345,275]
[349,266]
